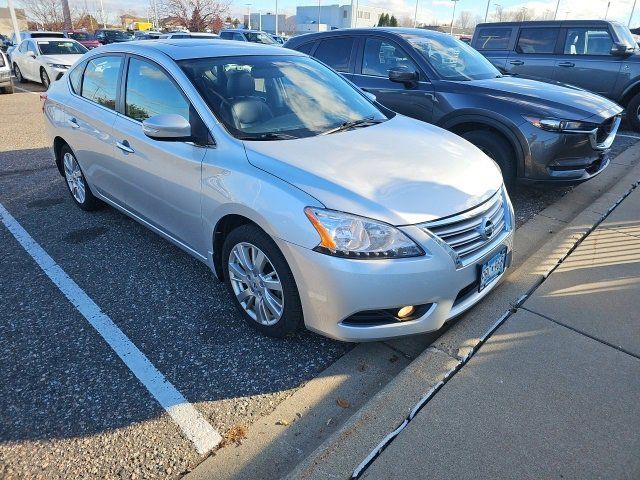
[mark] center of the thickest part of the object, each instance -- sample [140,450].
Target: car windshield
[453,59]
[278,97]
[81,36]
[60,47]
[117,35]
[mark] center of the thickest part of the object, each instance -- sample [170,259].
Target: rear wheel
[76,183]
[8,89]
[44,78]
[261,282]
[498,149]
[633,112]
[18,73]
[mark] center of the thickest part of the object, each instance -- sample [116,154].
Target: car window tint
[226,35]
[382,55]
[537,40]
[306,47]
[23,47]
[493,38]
[75,78]
[335,52]
[100,80]
[239,37]
[588,41]
[150,92]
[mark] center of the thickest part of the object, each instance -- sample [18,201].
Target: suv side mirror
[168,127]
[619,49]
[402,75]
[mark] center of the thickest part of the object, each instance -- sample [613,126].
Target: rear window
[305,47]
[100,80]
[537,40]
[493,38]
[226,35]
[335,52]
[46,35]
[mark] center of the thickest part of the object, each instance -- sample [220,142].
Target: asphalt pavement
[69,407]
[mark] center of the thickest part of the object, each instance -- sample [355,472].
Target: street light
[415,16]
[14,21]
[486,12]
[318,15]
[249,16]
[453,16]
[555,15]
[276,17]
[632,10]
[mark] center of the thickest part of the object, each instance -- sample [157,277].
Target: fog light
[405,312]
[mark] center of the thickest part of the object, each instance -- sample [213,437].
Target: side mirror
[402,75]
[619,49]
[31,53]
[370,96]
[168,127]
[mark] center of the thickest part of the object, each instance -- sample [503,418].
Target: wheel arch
[58,143]
[225,225]
[630,92]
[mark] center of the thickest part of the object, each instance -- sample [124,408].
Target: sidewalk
[555,391]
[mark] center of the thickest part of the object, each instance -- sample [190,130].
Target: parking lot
[69,406]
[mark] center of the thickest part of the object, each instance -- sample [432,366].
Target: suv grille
[473,233]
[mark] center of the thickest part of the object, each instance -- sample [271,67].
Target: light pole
[14,21]
[498,8]
[104,20]
[632,10]
[276,17]
[486,12]
[453,16]
[155,14]
[248,16]
[415,16]
[555,15]
[607,10]
[318,15]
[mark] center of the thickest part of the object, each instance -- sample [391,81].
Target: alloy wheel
[74,177]
[256,283]
[45,79]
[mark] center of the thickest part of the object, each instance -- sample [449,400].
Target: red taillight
[43,97]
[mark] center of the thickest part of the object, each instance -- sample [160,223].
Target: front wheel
[18,73]
[261,282]
[44,78]
[633,113]
[498,149]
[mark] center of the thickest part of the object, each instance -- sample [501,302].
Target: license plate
[492,269]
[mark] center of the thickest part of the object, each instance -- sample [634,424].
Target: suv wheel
[496,148]
[261,282]
[633,112]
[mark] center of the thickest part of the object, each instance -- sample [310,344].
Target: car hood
[401,171]
[549,99]
[61,59]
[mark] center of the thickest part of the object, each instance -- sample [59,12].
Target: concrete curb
[540,244]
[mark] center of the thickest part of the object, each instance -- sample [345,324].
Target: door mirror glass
[619,49]
[31,53]
[167,127]
[403,75]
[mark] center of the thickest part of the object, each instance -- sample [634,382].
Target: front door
[533,55]
[163,177]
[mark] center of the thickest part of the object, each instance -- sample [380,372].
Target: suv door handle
[566,64]
[516,62]
[125,147]
[73,122]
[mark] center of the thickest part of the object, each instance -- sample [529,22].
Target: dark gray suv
[597,55]
[535,131]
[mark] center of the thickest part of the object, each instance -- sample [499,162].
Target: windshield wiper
[369,120]
[268,136]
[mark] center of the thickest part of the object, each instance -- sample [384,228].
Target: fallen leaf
[235,434]
[343,403]
[282,422]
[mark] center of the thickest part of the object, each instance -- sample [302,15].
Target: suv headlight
[352,236]
[559,125]
[58,65]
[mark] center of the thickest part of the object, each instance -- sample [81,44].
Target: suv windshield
[279,97]
[60,47]
[118,35]
[81,36]
[453,59]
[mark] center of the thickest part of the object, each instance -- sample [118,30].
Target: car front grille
[475,232]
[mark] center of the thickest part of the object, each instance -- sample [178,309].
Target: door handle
[73,122]
[566,64]
[516,62]
[125,147]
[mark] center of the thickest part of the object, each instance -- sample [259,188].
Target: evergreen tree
[393,21]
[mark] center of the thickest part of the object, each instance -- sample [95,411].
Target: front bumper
[567,158]
[333,289]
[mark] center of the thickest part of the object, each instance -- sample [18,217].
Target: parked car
[278,38]
[535,131]
[243,35]
[597,55]
[4,43]
[182,35]
[30,34]
[315,205]
[147,35]
[87,39]
[6,84]
[43,59]
[107,36]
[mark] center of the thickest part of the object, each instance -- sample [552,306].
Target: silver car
[317,206]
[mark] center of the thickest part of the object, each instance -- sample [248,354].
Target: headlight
[351,236]
[558,125]
[58,65]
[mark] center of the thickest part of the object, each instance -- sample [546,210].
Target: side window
[537,40]
[149,92]
[100,80]
[23,47]
[382,55]
[31,47]
[335,52]
[226,35]
[588,41]
[493,39]
[239,37]
[75,78]
[306,47]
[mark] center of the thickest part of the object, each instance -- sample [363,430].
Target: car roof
[195,48]
[540,23]
[242,30]
[396,31]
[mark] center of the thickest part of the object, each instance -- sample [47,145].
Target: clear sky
[429,11]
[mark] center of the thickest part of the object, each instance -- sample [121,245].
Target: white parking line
[25,90]
[193,424]
[627,136]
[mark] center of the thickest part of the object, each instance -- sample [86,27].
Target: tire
[249,284]
[18,73]
[44,78]
[633,112]
[76,183]
[498,149]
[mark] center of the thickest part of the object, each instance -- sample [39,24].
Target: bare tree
[406,21]
[197,15]
[499,13]
[465,19]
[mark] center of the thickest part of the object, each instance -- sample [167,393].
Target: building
[267,22]
[6,27]
[318,18]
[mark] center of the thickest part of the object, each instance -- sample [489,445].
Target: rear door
[534,53]
[494,43]
[586,61]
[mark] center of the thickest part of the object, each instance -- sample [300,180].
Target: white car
[6,86]
[45,59]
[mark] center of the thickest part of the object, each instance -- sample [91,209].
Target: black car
[535,131]
[106,36]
